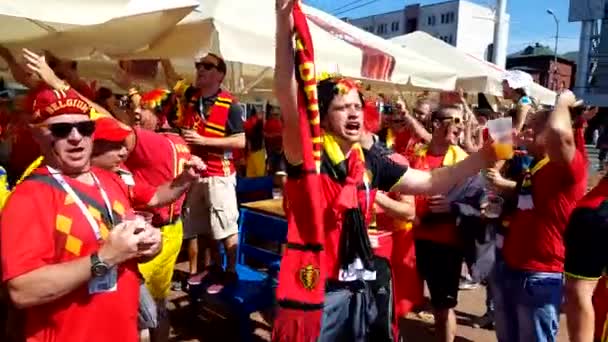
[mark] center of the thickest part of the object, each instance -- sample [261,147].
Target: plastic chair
[254,290]
[254,189]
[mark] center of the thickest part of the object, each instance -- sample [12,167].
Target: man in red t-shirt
[439,250]
[75,276]
[528,285]
[586,263]
[160,172]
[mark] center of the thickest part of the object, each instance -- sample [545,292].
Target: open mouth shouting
[353,128]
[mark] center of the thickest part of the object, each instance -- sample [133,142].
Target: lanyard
[68,189]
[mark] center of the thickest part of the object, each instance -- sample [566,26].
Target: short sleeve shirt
[156,160]
[58,233]
[383,175]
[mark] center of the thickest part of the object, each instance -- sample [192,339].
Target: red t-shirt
[24,151]
[444,233]
[534,241]
[579,135]
[156,160]
[273,130]
[58,233]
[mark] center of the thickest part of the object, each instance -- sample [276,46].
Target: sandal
[228,278]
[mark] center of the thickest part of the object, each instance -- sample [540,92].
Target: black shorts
[585,241]
[440,265]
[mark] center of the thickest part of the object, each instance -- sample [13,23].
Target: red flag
[302,277]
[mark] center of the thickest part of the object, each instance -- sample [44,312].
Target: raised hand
[37,64]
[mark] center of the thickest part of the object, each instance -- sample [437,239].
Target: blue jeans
[527,304]
[348,313]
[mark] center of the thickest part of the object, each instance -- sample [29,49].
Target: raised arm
[560,137]
[285,85]
[19,72]
[37,64]
[520,117]
[442,180]
[171,76]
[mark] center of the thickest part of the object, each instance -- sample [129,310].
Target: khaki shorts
[211,208]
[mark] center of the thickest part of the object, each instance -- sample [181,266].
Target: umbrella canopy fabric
[475,75]
[243,32]
[79,29]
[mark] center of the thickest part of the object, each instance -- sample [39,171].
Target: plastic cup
[501,131]
[141,218]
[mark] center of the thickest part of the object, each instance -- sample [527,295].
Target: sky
[530,22]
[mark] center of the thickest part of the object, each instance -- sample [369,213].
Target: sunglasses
[62,130]
[205,65]
[450,119]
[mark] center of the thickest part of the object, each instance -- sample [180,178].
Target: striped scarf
[301,289]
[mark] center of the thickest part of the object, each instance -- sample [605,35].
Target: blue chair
[255,289]
[254,189]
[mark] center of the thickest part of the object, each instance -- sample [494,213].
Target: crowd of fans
[105,188]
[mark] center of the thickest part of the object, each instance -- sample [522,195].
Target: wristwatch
[98,267]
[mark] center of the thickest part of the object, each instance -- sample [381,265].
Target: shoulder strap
[48,180]
[175,174]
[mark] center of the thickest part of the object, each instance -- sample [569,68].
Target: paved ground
[204,323]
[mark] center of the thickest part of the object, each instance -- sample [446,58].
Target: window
[382,28]
[395,26]
[443,18]
[428,21]
[431,21]
[451,17]
[450,39]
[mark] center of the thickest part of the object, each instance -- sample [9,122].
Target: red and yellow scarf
[301,289]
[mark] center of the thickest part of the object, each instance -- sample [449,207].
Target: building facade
[463,24]
[543,69]
[592,76]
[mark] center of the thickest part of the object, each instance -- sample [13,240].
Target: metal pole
[500,34]
[555,66]
[582,70]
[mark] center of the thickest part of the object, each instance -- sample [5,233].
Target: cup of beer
[501,131]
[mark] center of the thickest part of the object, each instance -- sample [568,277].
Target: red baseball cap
[110,129]
[49,103]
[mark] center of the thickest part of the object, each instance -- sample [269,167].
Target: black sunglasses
[205,65]
[62,130]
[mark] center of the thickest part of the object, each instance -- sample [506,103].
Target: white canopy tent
[475,75]
[242,32]
[83,29]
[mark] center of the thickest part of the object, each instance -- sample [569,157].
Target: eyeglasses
[205,65]
[450,119]
[62,130]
